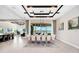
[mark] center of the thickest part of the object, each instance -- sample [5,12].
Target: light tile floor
[20,45]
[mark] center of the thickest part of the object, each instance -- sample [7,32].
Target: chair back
[38,37]
[33,37]
[43,37]
[48,37]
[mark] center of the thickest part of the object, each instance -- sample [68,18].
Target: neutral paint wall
[68,36]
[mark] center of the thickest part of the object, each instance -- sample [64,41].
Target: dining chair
[38,39]
[44,42]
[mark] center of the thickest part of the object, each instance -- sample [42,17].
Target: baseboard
[70,44]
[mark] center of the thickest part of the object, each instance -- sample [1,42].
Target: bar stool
[1,38]
[8,37]
[4,38]
[13,36]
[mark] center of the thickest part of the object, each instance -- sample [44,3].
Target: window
[42,29]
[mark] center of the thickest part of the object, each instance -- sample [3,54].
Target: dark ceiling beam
[26,10]
[33,16]
[53,14]
[42,6]
[57,11]
[43,16]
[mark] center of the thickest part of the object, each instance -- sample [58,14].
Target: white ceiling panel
[16,12]
[41,10]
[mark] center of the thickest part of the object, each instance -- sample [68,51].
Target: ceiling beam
[42,16]
[42,6]
[26,11]
[57,11]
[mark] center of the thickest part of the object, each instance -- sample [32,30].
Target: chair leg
[46,43]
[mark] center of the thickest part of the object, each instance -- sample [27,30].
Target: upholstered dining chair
[44,39]
[38,39]
[33,38]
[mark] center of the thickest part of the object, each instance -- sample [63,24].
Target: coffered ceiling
[37,11]
[33,12]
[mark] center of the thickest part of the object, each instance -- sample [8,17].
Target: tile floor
[20,45]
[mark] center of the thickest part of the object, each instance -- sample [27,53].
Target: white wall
[68,36]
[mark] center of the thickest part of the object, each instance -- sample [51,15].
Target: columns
[54,26]
[28,27]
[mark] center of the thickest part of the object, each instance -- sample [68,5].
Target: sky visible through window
[42,28]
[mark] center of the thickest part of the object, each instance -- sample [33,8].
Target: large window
[41,29]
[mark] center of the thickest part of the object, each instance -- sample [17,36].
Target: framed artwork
[73,23]
[61,26]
